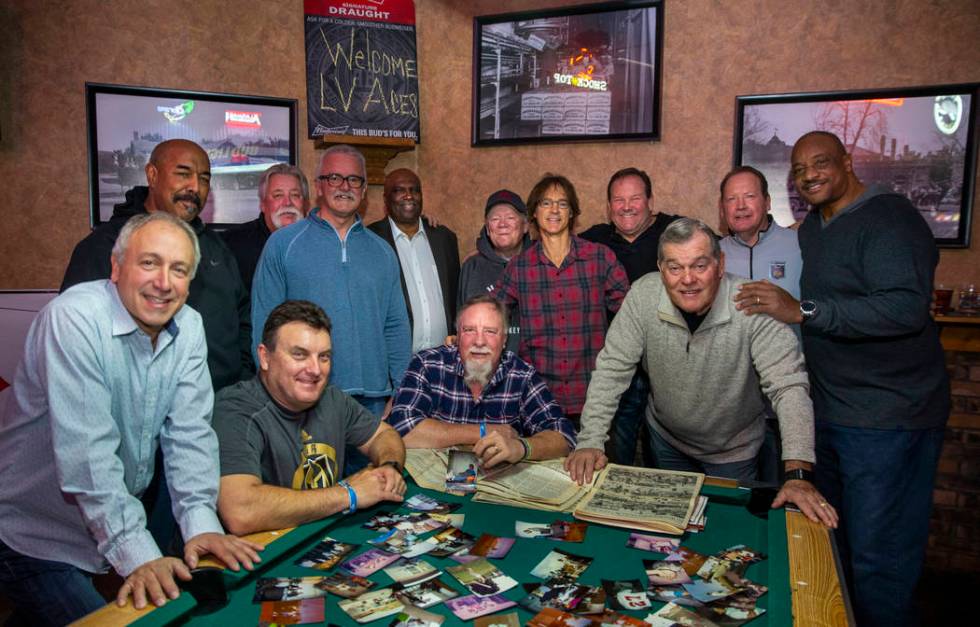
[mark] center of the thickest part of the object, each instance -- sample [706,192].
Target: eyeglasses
[548,203]
[335,180]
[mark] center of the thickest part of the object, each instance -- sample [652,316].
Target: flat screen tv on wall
[243,135]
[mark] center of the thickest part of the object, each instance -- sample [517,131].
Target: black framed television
[581,73]
[243,135]
[920,141]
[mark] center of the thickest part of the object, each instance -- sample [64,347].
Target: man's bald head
[179,177]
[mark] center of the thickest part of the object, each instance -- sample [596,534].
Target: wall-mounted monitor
[583,73]
[919,141]
[243,135]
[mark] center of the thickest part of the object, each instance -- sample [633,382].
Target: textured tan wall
[713,51]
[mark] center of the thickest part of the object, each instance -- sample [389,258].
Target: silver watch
[807,309]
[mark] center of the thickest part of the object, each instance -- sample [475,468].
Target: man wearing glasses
[709,366]
[329,258]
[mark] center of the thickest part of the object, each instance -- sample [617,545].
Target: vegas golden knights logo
[317,466]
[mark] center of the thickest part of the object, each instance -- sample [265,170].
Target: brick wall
[954,534]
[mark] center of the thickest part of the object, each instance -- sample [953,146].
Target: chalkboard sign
[361,69]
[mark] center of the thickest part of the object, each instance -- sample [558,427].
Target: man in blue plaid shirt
[480,394]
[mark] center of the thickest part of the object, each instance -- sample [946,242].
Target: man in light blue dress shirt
[112,370]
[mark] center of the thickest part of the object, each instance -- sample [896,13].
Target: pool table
[800,571]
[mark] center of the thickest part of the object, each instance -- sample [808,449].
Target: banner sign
[361,68]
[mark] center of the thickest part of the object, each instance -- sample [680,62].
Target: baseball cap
[506,197]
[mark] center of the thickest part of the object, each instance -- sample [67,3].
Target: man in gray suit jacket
[428,257]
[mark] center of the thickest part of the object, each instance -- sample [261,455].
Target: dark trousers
[881,483]
[669,458]
[630,424]
[45,592]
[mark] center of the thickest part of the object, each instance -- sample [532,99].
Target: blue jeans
[630,423]
[45,592]
[669,458]
[355,460]
[881,483]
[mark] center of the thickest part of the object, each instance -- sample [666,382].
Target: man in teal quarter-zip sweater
[329,258]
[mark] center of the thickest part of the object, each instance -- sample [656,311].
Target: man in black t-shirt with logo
[282,434]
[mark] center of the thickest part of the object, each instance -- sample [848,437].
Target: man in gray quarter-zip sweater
[709,367]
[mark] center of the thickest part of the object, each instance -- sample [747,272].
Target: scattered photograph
[412,571]
[741,554]
[423,503]
[708,591]
[561,566]
[369,562]
[671,615]
[326,554]
[472,606]
[453,520]
[464,557]
[690,559]
[287,589]
[451,540]
[552,617]
[656,544]
[612,618]
[729,616]
[371,606]
[481,577]
[292,612]
[413,522]
[425,594]
[563,596]
[345,585]
[491,546]
[673,594]
[411,616]
[462,471]
[532,530]
[499,620]
[626,594]
[568,531]
[663,573]
[404,543]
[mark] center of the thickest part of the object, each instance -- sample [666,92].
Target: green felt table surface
[728,523]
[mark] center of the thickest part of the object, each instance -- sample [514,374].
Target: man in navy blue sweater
[878,379]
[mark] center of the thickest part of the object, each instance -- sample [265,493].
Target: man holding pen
[480,394]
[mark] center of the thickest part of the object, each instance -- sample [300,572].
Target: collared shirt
[564,312]
[429,324]
[515,395]
[91,402]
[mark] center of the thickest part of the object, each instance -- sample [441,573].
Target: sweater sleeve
[782,375]
[268,288]
[897,258]
[614,369]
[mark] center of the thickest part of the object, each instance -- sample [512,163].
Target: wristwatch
[798,473]
[807,309]
[391,463]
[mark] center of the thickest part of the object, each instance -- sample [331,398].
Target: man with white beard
[284,198]
[478,393]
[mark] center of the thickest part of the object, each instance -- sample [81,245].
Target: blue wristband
[351,496]
[483,429]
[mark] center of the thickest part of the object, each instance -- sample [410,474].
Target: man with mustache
[283,434]
[113,371]
[632,233]
[880,388]
[178,177]
[478,393]
[284,198]
[330,259]
[428,257]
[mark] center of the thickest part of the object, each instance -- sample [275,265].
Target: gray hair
[139,221]
[343,149]
[484,299]
[683,230]
[288,170]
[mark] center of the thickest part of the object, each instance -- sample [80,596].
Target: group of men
[649,325]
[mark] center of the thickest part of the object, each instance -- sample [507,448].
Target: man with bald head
[178,177]
[879,383]
[428,257]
